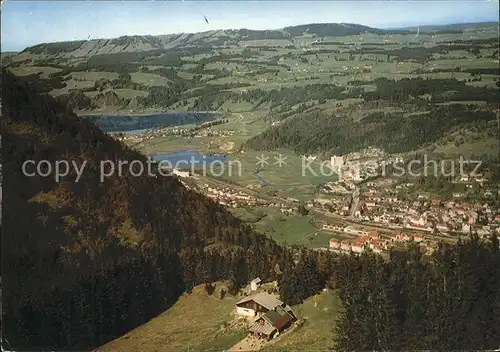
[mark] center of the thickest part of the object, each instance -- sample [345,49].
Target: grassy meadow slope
[212,326]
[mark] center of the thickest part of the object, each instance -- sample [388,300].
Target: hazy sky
[26,23]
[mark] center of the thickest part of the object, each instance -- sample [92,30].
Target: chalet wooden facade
[272,323]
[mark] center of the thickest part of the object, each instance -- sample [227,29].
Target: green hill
[395,132]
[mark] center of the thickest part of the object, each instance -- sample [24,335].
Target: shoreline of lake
[126,123]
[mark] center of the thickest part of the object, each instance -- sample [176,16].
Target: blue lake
[184,159]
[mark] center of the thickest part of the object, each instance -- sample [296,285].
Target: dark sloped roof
[264,299]
[278,318]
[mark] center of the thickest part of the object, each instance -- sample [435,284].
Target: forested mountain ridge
[427,120]
[319,132]
[210,38]
[84,262]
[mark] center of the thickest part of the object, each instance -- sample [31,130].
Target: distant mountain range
[214,38]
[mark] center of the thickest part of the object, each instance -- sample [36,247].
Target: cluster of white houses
[380,205]
[272,316]
[351,230]
[374,241]
[230,197]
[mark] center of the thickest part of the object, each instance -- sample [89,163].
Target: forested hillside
[393,131]
[85,262]
[318,131]
[449,301]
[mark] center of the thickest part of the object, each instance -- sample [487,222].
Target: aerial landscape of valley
[319,186]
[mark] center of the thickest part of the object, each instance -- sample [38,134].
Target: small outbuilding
[254,284]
